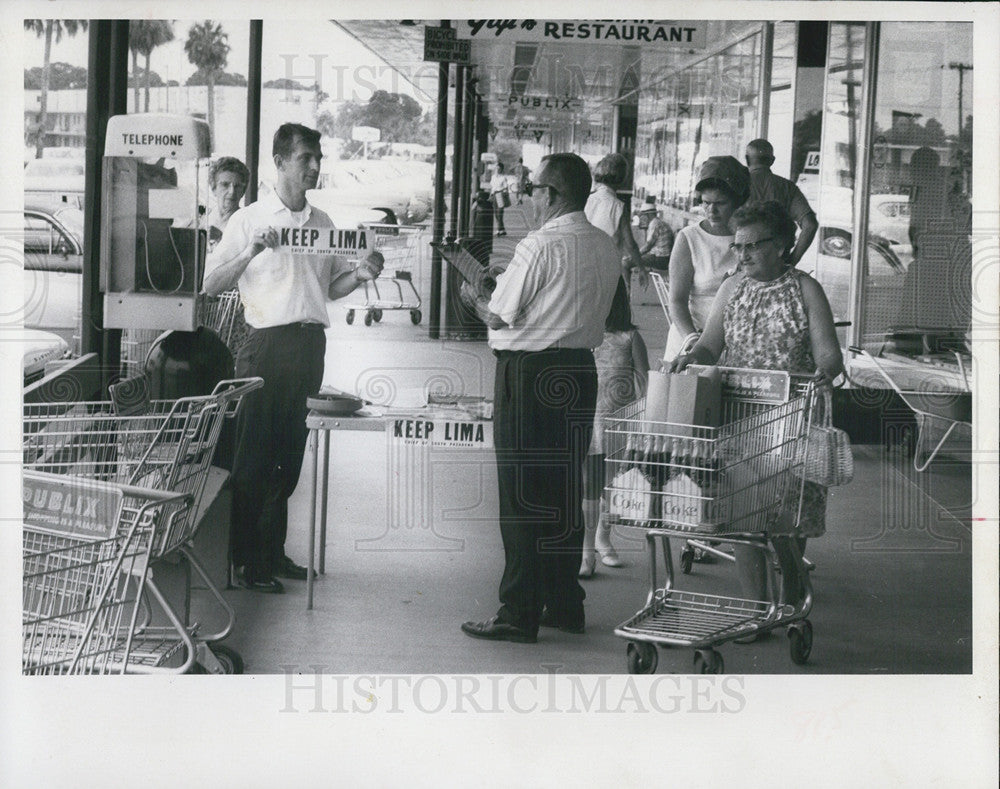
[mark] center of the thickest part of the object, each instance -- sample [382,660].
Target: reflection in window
[921,177]
[781,100]
[838,163]
[707,109]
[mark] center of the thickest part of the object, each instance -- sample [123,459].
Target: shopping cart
[165,445]
[662,292]
[86,549]
[936,403]
[729,485]
[394,289]
[219,315]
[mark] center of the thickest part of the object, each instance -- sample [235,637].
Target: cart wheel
[350,317]
[368,318]
[377,315]
[642,657]
[708,661]
[800,641]
[229,659]
[687,559]
[415,316]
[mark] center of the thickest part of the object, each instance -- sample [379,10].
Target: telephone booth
[153,231]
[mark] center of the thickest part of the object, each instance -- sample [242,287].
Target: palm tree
[48,28]
[207,47]
[145,35]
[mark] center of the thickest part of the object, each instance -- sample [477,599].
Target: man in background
[766,186]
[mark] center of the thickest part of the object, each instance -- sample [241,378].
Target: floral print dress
[615,381]
[766,327]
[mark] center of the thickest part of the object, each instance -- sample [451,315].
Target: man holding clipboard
[284,285]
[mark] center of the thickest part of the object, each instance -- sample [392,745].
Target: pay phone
[154,240]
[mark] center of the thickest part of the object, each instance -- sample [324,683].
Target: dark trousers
[543,418]
[271,438]
[498,216]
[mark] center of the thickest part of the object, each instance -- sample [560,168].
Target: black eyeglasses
[543,186]
[750,246]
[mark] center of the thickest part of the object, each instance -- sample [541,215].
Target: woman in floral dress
[772,316]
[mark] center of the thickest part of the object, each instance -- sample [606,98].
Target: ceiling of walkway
[539,85]
[525,84]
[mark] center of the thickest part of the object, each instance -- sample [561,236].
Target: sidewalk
[892,582]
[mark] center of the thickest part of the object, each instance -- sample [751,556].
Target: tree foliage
[395,115]
[62,76]
[145,35]
[41,27]
[147,79]
[207,46]
[285,84]
[48,29]
[200,77]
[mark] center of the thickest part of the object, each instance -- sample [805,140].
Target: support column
[437,232]
[457,159]
[107,94]
[468,157]
[253,108]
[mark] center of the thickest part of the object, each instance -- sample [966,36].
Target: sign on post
[441,45]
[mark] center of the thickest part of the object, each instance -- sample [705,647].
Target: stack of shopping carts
[111,486]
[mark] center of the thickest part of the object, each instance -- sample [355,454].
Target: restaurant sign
[682,35]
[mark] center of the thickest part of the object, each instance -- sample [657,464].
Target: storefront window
[707,108]
[920,212]
[838,164]
[781,98]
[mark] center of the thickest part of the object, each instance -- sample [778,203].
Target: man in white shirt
[284,288]
[546,314]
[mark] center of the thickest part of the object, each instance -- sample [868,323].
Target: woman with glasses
[775,317]
[701,258]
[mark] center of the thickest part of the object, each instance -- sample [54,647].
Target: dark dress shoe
[494,630]
[289,569]
[574,626]
[263,585]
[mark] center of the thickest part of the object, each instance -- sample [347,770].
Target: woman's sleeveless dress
[766,327]
[713,261]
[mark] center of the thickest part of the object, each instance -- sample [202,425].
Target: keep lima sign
[323,241]
[683,35]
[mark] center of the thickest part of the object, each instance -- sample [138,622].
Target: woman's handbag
[826,452]
[501,199]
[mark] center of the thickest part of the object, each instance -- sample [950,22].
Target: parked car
[40,349]
[53,270]
[888,223]
[375,184]
[55,180]
[884,275]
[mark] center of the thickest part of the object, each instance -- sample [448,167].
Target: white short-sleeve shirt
[558,288]
[604,210]
[279,287]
